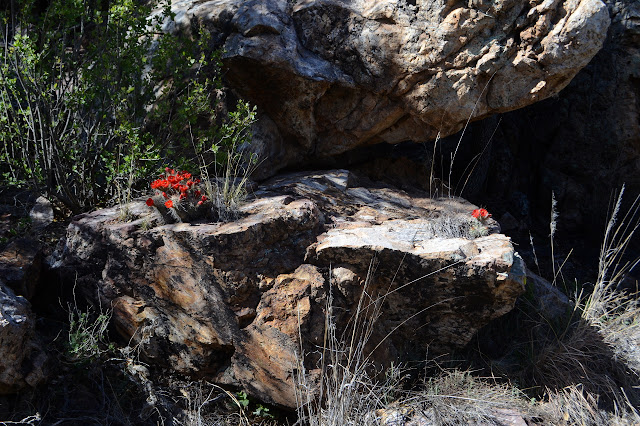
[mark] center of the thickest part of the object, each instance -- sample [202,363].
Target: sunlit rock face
[238,302]
[331,75]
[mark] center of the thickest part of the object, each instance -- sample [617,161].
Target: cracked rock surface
[332,75]
[234,301]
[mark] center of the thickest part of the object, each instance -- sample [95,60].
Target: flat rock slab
[234,302]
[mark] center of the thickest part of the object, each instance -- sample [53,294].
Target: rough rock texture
[333,75]
[22,359]
[581,144]
[232,301]
[20,266]
[41,214]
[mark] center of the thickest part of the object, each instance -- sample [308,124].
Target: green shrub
[87,335]
[92,101]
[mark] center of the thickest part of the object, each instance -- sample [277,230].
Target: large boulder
[331,75]
[234,301]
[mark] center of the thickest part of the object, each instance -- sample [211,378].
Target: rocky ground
[119,316]
[123,321]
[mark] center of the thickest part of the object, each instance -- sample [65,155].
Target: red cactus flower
[168,204]
[150,202]
[164,194]
[481,214]
[200,202]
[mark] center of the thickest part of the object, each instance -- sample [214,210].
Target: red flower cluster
[481,214]
[179,184]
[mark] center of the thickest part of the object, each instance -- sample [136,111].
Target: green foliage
[262,411]
[87,335]
[92,101]
[243,399]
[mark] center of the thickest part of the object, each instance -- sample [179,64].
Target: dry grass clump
[573,405]
[457,397]
[349,390]
[453,226]
[345,392]
[615,314]
[596,354]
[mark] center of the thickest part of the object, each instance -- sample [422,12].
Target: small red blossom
[177,187]
[481,214]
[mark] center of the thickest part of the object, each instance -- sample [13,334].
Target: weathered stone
[548,300]
[22,359]
[41,214]
[334,75]
[20,265]
[581,144]
[233,301]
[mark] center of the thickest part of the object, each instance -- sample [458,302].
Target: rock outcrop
[331,75]
[234,301]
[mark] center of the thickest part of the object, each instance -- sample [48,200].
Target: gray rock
[582,143]
[41,214]
[22,358]
[336,75]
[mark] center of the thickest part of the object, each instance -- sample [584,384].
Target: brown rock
[234,301]
[20,265]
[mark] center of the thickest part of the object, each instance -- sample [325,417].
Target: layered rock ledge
[234,301]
